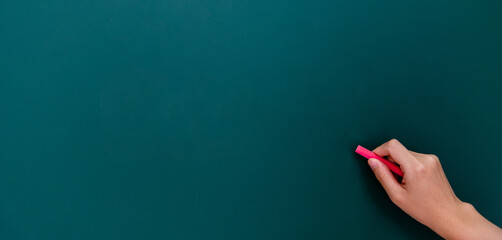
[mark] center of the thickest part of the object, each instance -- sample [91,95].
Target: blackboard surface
[150,119]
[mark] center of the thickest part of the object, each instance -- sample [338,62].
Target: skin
[426,195]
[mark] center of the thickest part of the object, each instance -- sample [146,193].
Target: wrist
[465,222]
[458,221]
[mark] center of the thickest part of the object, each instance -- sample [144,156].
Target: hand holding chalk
[425,193]
[369,154]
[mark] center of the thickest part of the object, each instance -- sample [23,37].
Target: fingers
[386,179]
[395,150]
[391,159]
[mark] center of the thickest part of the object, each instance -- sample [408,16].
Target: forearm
[466,223]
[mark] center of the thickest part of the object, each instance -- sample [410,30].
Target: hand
[426,195]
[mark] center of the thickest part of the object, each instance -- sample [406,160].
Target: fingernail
[373,163]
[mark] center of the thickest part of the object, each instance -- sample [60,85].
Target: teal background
[150,119]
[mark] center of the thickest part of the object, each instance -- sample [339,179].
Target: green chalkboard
[237,119]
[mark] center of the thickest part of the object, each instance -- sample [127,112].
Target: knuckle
[420,169]
[432,159]
[393,143]
[382,178]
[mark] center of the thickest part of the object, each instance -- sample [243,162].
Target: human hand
[426,195]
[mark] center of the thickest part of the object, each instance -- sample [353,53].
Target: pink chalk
[369,154]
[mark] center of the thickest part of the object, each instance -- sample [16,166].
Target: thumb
[385,177]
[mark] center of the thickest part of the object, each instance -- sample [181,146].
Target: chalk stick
[369,154]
